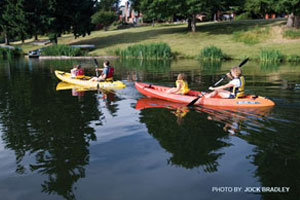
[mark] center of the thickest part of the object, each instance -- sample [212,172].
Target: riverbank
[186,44]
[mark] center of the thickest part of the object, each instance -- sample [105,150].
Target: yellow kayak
[68,86]
[84,82]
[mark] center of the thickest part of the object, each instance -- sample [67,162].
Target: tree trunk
[297,21]
[35,37]
[194,23]
[290,22]
[153,22]
[6,38]
[189,24]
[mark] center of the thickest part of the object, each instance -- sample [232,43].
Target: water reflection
[191,144]
[53,128]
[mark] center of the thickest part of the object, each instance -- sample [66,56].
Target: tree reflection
[193,143]
[53,127]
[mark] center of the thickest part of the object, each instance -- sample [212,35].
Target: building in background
[128,15]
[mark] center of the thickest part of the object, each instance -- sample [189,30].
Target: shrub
[212,53]
[291,34]
[293,58]
[146,51]
[105,18]
[243,16]
[9,52]
[61,50]
[271,56]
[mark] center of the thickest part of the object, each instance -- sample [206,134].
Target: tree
[105,18]
[292,7]
[108,5]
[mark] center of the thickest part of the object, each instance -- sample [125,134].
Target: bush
[62,50]
[146,51]
[243,16]
[105,18]
[271,56]
[291,34]
[293,58]
[9,53]
[212,53]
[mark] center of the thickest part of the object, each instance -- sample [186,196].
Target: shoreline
[72,57]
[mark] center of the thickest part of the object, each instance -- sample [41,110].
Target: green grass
[272,56]
[252,37]
[186,44]
[146,51]
[291,34]
[212,53]
[62,50]
[293,58]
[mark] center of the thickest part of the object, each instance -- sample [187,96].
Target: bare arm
[228,85]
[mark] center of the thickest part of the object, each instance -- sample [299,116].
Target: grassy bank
[231,37]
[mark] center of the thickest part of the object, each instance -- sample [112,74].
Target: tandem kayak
[66,77]
[249,101]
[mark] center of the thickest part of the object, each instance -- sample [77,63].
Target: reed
[62,50]
[146,51]
[293,58]
[271,56]
[212,53]
[9,53]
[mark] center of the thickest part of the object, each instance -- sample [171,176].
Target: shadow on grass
[210,28]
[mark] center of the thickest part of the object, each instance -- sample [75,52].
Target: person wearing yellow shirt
[181,85]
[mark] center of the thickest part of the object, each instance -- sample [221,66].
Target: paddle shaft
[96,63]
[219,81]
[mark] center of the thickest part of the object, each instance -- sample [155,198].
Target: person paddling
[181,85]
[107,73]
[236,85]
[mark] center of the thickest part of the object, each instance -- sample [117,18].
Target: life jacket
[110,74]
[79,72]
[239,91]
[184,86]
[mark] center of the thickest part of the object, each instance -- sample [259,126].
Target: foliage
[293,58]
[146,51]
[9,53]
[271,56]
[105,18]
[291,34]
[243,16]
[212,53]
[253,36]
[61,50]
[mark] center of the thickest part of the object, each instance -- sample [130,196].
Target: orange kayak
[249,101]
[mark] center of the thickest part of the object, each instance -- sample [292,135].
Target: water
[72,144]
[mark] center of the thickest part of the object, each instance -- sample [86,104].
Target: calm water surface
[64,143]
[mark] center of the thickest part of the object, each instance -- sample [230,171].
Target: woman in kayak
[236,86]
[107,73]
[181,85]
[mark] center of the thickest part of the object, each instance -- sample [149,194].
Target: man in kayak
[236,86]
[77,72]
[181,86]
[107,73]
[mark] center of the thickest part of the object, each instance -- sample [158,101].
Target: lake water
[59,143]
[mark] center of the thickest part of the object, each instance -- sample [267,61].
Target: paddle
[96,63]
[219,81]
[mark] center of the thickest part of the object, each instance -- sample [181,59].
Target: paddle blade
[243,62]
[194,101]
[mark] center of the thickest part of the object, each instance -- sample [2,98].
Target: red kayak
[249,101]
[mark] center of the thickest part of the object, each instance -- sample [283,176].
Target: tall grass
[291,34]
[212,53]
[62,50]
[271,56]
[252,37]
[146,51]
[293,58]
[9,53]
